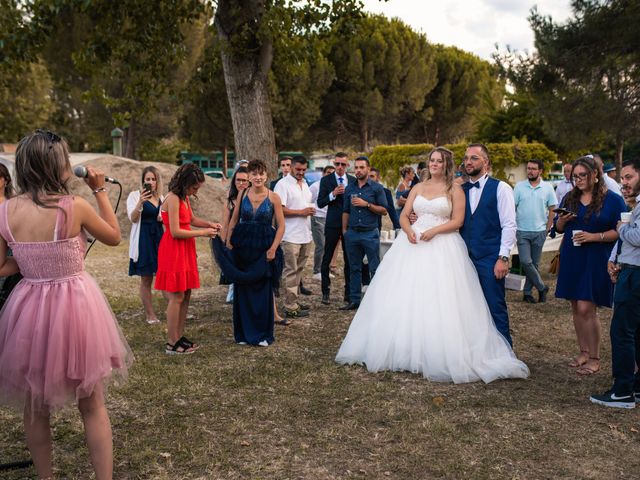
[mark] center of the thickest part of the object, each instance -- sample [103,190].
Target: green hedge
[390,158]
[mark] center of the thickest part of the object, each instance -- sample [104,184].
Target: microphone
[82,172]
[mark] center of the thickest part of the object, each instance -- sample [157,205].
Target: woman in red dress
[177,265]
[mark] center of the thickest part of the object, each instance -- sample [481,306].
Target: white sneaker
[317,276]
[263,343]
[331,275]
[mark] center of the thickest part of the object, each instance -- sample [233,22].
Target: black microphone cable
[115,211]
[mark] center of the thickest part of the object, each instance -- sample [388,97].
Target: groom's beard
[475,172]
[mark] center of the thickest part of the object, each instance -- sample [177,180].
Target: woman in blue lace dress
[253,260]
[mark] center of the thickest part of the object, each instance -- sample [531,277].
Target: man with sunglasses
[331,195]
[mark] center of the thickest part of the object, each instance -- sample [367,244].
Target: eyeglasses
[340,164]
[578,176]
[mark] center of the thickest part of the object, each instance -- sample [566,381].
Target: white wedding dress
[424,311]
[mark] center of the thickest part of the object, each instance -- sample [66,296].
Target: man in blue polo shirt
[364,203]
[535,201]
[625,324]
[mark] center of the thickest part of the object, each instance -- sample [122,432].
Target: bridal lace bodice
[431,212]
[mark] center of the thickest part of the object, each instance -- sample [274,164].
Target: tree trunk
[246,63]
[619,152]
[364,135]
[130,140]
[225,152]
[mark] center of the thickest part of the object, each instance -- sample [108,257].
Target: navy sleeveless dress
[583,270]
[150,234]
[254,278]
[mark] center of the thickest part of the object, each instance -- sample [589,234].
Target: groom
[489,231]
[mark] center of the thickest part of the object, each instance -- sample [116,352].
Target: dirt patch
[208,205]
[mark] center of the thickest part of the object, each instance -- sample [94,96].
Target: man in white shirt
[489,230]
[317,224]
[566,185]
[611,184]
[296,243]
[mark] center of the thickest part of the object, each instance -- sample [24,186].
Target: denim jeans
[359,244]
[530,249]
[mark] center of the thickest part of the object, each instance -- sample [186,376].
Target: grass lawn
[289,412]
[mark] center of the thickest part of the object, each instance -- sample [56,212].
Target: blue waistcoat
[481,230]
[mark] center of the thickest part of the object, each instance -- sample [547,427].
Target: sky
[472,25]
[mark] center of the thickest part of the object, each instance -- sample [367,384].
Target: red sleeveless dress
[177,264]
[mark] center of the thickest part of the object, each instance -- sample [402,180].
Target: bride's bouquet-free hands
[411,235]
[427,235]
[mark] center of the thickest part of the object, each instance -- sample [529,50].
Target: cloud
[472,25]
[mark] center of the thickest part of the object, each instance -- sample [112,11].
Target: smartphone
[147,187]
[562,211]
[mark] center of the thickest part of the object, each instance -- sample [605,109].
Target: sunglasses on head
[49,135]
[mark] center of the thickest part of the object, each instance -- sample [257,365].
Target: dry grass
[289,412]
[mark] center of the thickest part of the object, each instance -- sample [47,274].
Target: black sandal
[186,343]
[284,322]
[175,349]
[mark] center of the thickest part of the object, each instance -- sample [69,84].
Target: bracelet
[141,208]
[98,190]
[602,236]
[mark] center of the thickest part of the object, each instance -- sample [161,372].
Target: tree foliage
[584,78]
[384,71]
[466,88]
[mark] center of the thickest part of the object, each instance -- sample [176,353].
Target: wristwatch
[368,204]
[504,258]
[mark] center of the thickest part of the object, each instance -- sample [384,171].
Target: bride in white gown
[424,311]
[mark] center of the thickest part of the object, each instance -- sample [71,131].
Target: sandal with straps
[589,370]
[575,363]
[185,342]
[178,349]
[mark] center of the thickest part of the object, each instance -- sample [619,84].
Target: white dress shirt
[506,212]
[345,182]
[315,190]
[295,196]
[564,187]
[612,184]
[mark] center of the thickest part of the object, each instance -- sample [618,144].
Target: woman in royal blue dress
[143,209]
[253,260]
[589,235]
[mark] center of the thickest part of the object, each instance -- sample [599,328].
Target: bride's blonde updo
[449,167]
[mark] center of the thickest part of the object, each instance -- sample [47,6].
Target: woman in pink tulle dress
[59,340]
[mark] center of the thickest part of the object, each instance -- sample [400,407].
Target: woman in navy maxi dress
[255,276]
